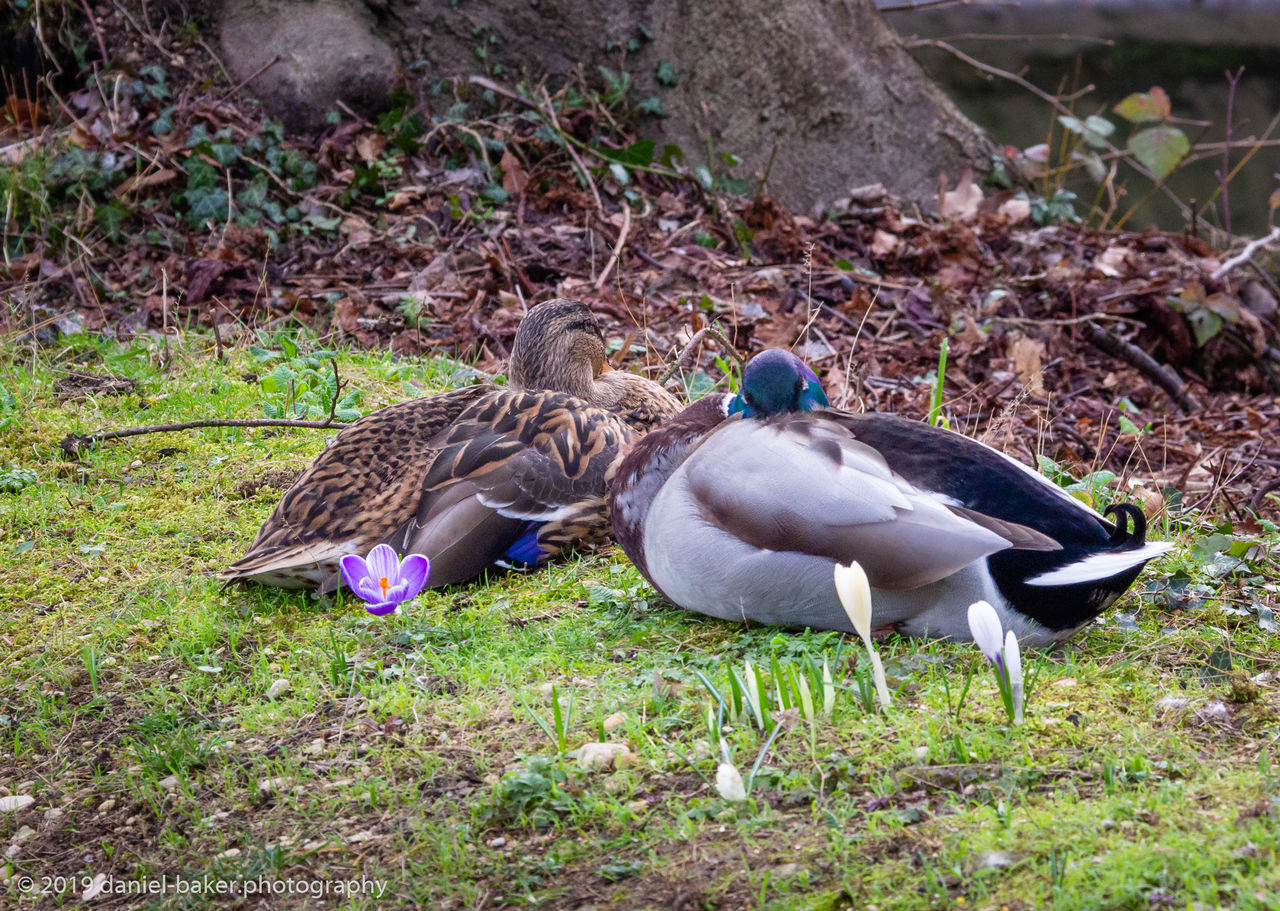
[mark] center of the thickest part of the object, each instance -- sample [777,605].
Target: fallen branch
[693,343]
[1130,353]
[617,248]
[1246,254]
[75,443]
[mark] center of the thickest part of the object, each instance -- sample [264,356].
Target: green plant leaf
[1145,107]
[638,153]
[666,74]
[1159,149]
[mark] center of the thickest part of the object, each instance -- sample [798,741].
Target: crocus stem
[877,670]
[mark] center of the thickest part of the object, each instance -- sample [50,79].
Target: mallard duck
[741,506]
[473,476]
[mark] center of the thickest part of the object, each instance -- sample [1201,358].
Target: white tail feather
[1102,566]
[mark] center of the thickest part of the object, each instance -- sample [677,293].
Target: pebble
[278,689]
[267,785]
[616,720]
[169,782]
[497,842]
[107,805]
[602,755]
[16,802]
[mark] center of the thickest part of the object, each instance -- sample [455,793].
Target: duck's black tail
[1126,514]
[1121,558]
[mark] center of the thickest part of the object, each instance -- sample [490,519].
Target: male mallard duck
[471,476]
[741,506]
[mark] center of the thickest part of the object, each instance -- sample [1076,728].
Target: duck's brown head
[559,347]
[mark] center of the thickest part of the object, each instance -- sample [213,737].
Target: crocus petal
[984,624]
[384,564]
[1013,661]
[855,597]
[729,782]
[414,572]
[383,608]
[355,572]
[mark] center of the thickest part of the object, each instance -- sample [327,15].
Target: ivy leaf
[112,216]
[1159,149]
[1145,107]
[205,204]
[639,153]
[666,74]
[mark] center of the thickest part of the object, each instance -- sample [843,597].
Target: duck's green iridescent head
[775,381]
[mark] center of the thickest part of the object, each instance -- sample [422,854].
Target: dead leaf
[513,175]
[1113,262]
[961,204]
[1026,354]
[370,147]
[884,244]
[1015,210]
[142,181]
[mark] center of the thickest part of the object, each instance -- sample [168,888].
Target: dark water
[1192,74]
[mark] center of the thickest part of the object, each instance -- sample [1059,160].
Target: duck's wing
[355,493]
[518,475]
[803,483]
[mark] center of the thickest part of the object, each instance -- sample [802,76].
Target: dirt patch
[80,384]
[275,479]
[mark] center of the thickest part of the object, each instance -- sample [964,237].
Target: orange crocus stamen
[383,583]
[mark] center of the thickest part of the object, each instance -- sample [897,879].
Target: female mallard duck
[472,476]
[741,506]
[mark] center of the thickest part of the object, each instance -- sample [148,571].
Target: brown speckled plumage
[460,475]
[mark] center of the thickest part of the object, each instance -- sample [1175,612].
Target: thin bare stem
[1224,174]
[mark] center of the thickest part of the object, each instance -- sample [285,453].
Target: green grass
[134,700]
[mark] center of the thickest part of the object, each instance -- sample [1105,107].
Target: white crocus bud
[854,592]
[729,782]
[984,624]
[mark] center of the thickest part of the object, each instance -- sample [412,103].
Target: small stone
[497,842]
[15,803]
[107,805]
[51,814]
[24,833]
[268,785]
[278,689]
[230,852]
[1064,683]
[545,691]
[600,755]
[169,782]
[616,720]
[921,753]
[360,837]
[136,463]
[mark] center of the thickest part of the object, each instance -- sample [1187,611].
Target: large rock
[324,51]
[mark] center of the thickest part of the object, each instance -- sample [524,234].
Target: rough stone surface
[821,96]
[826,90]
[325,51]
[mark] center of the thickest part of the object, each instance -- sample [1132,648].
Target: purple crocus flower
[383,579]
